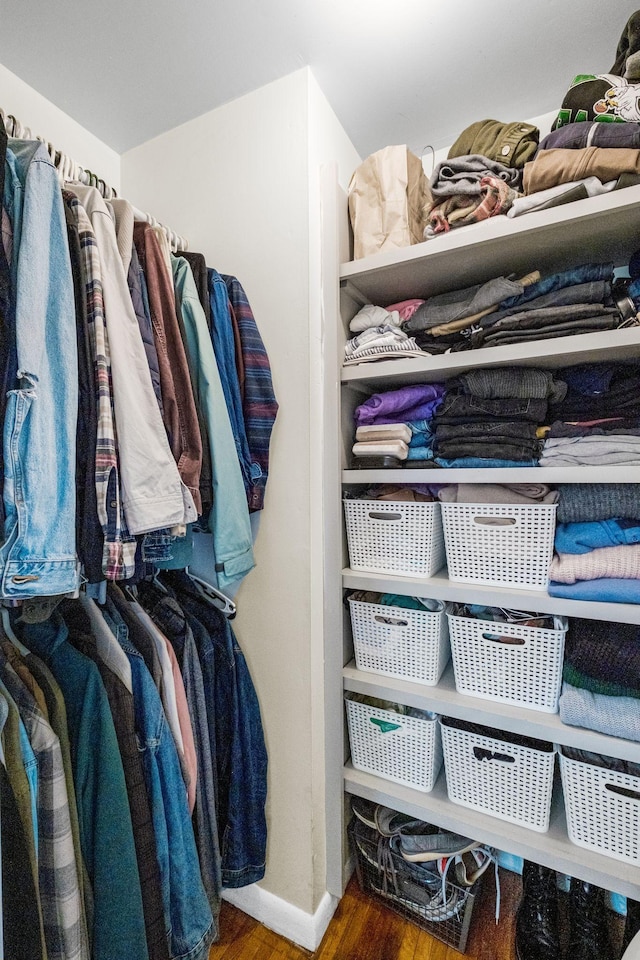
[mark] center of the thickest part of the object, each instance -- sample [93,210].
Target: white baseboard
[305,929]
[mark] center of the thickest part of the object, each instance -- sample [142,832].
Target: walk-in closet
[320,462]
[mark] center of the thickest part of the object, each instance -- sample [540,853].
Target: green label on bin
[384,725]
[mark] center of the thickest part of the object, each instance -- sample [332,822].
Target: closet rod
[69,170]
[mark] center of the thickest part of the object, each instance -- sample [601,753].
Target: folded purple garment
[414,402]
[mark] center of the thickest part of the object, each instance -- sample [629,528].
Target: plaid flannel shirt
[118,557]
[59,882]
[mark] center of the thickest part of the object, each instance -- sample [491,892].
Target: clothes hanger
[212,595]
[8,629]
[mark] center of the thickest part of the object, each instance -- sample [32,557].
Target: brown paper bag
[389,199]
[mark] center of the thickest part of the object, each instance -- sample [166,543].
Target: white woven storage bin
[403,749]
[414,645]
[506,780]
[527,672]
[394,537]
[602,808]
[515,554]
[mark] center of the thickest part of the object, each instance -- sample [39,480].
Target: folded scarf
[615,716]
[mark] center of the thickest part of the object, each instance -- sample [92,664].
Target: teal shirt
[229,518]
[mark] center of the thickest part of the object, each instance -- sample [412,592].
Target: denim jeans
[459,408]
[587,273]
[241,757]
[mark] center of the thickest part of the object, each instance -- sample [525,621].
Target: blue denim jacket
[238,739]
[171,619]
[38,556]
[188,917]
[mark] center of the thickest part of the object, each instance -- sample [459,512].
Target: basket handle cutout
[385,725]
[623,791]
[495,521]
[508,641]
[374,515]
[390,622]
[481,754]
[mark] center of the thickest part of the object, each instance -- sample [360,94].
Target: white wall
[328,144]
[48,121]
[234,182]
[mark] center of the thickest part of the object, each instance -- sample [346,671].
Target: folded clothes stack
[598,421]
[470,188]
[397,425]
[597,543]
[378,336]
[580,300]
[601,678]
[491,418]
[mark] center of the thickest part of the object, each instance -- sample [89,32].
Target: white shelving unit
[600,229]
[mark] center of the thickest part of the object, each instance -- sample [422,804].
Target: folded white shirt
[372,316]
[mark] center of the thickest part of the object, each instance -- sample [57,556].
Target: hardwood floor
[363,929]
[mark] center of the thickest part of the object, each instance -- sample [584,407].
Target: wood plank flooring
[363,929]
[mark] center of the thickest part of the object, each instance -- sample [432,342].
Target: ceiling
[395,71]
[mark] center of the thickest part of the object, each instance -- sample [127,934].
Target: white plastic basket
[527,672]
[394,537]
[517,553]
[602,809]
[507,780]
[399,748]
[397,642]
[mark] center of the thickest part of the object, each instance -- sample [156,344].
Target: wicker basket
[396,747]
[515,551]
[394,537]
[602,808]
[398,642]
[507,780]
[526,671]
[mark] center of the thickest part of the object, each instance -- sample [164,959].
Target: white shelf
[553,849]
[547,354]
[598,229]
[496,475]
[445,699]
[439,587]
